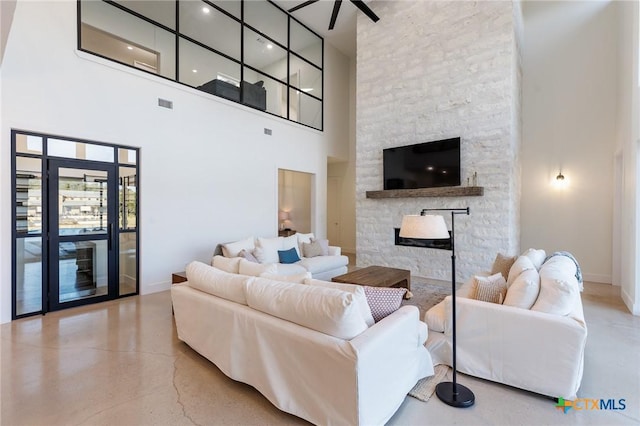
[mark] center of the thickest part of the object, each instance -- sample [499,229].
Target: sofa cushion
[489,289]
[232,249]
[358,292]
[502,264]
[288,256]
[217,282]
[255,269]
[521,264]
[537,257]
[267,249]
[290,268]
[294,278]
[524,290]
[327,310]
[227,264]
[291,242]
[559,288]
[435,317]
[383,301]
[323,263]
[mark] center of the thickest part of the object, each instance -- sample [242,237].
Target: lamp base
[455,394]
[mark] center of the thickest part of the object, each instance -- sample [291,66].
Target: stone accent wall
[431,70]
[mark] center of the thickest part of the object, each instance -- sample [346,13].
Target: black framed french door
[82,244]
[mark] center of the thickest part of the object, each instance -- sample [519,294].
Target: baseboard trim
[155,288]
[633,307]
[597,278]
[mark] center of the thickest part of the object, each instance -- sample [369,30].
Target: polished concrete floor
[120,363]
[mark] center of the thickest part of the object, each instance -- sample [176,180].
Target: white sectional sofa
[537,345]
[307,348]
[323,267]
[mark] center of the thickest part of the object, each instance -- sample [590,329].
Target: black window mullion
[319,68]
[138,15]
[210,49]
[288,67]
[242,26]
[177,40]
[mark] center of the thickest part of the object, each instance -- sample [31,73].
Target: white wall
[627,210]
[208,172]
[570,79]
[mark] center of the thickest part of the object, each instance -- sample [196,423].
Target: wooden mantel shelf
[447,191]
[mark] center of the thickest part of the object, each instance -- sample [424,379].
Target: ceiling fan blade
[365,9]
[301,5]
[334,14]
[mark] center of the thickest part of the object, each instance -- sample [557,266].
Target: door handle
[109,235]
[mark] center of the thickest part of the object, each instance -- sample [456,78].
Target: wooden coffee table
[378,276]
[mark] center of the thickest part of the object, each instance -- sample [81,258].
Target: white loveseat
[322,267]
[306,348]
[540,349]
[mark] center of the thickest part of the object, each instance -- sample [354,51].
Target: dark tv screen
[424,165]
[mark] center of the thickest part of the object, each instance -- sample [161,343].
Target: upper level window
[247,51]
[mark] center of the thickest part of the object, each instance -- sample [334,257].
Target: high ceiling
[317,16]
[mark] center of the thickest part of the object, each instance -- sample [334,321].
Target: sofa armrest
[531,350]
[335,251]
[391,356]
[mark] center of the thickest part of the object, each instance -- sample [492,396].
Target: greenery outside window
[246,51]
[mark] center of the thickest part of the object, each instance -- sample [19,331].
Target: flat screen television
[424,165]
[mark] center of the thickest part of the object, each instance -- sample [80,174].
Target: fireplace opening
[442,244]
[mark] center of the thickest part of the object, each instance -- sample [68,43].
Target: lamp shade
[283,215]
[427,227]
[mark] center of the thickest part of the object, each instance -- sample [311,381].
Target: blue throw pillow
[288,256]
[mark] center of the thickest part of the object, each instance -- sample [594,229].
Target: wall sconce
[560,182]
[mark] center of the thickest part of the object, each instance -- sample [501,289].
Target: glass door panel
[83,210]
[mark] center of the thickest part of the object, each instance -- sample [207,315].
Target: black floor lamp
[434,227]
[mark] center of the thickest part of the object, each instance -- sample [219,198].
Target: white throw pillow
[219,283]
[303,238]
[436,317]
[232,249]
[255,269]
[358,292]
[558,289]
[327,310]
[521,264]
[268,249]
[524,290]
[227,264]
[537,257]
[291,242]
[295,278]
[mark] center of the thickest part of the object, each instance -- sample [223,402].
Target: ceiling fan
[336,8]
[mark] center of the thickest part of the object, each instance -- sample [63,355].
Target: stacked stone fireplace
[429,71]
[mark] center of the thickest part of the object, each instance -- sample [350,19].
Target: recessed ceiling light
[206,10]
[429,168]
[129,47]
[269,46]
[307,89]
[194,70]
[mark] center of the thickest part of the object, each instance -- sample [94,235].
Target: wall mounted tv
[423,165]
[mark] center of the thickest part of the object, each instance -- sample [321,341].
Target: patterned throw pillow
[491,289]
[246,254]
[383,301]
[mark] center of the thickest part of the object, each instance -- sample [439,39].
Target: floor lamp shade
[424,226]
